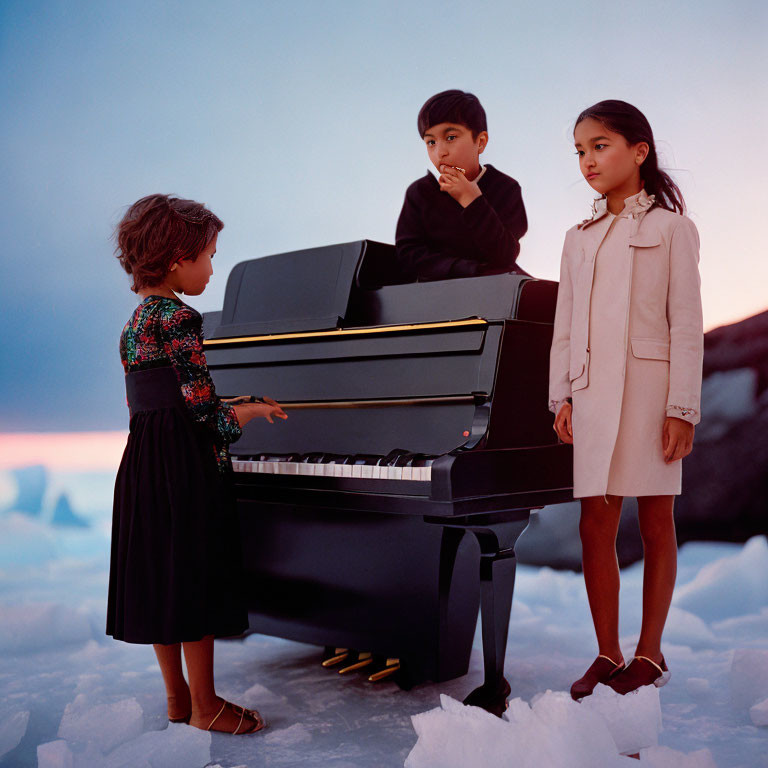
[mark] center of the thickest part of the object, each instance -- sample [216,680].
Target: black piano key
[422,460]
[279,457]
[336,458]
[395,458]
[312,458]
[370,459]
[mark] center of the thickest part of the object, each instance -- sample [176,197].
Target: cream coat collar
[639,203]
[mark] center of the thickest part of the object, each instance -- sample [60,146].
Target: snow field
[70,696]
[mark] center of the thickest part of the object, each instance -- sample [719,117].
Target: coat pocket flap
[645,240]
[576,370]
[651,349]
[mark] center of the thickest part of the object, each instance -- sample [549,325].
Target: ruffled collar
[639,203]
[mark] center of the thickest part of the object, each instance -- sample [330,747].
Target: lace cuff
[684,413]
[556,405]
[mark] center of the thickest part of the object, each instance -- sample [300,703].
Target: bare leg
[176,688]
[205,703]
[657,527]
[598,527]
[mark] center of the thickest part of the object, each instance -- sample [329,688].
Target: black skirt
[175,573]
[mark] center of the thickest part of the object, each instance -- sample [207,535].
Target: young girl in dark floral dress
[174,576]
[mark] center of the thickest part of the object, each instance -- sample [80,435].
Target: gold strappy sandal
[251,714]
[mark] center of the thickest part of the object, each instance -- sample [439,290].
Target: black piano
[384,512]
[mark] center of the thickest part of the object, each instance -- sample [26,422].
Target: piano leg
[497,584]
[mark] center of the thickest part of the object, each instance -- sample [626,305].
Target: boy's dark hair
[622,118]
[453,107]
[159,230]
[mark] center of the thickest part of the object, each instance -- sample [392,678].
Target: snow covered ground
[72,698]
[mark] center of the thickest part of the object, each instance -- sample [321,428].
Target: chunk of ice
[749,677]
[686,628]
[25,541]
[41,626]
[8,490]
[697,687]
[634,720]
[64,515]
[556,732]
[451,738]
[55,754]
[750,628]
[759,712]
[258,696]
[106,725]
[12,730]
[288,737]
[664,757]
[178,746]
[731,586]
[31,484]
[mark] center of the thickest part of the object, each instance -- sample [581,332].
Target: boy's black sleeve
[497,231]
[416,260]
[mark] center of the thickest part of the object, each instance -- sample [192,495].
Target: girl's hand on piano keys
[267,409]
[272,408]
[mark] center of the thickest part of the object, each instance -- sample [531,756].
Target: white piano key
[357,470]
[407,473]
[366,470]
[346,470]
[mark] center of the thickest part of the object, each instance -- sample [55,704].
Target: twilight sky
[296,123]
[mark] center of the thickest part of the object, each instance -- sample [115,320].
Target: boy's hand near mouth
[453,181]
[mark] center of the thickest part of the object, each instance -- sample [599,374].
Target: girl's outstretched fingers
[277,409]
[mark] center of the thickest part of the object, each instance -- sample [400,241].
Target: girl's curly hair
[159,230]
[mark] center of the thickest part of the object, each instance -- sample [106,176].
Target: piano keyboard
[372,471]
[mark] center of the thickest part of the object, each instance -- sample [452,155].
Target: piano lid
[338,287]
[297,291]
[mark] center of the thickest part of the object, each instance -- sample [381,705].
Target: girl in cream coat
[625,374]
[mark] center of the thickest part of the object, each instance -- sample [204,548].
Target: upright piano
[383,513]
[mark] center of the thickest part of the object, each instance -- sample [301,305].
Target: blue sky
[296,123]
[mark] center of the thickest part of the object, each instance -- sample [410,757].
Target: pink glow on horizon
[62,450]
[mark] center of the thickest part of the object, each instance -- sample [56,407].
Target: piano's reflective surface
[384,511]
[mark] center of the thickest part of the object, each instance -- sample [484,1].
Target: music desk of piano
[384,512]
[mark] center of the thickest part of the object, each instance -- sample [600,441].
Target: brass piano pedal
[364,659]
[339,655]
[391,667]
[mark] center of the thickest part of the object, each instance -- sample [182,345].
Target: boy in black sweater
[469,221]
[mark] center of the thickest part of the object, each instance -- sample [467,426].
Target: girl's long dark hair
[631,123]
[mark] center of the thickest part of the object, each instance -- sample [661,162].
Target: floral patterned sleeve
[182,333]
